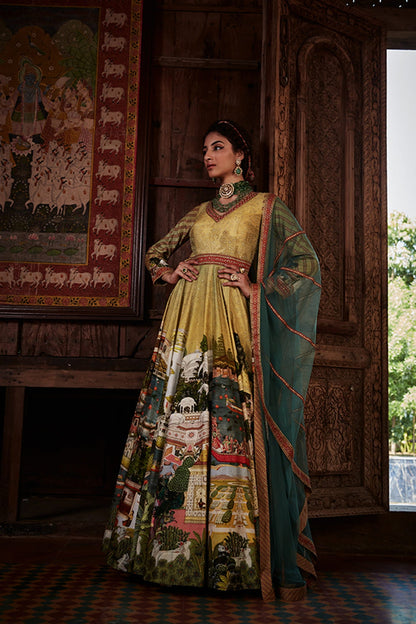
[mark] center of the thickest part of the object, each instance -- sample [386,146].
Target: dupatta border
[264,425]
[266,582]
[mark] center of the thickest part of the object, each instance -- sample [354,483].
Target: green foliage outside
[402,333]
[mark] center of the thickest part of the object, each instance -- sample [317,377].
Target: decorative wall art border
[71,171]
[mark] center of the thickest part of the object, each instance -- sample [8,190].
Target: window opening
[401,186]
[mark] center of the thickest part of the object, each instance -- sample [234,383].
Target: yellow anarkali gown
[185,510]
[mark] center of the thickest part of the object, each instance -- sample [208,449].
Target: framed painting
[70,139]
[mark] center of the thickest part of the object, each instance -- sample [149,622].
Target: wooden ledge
[85,373]
[38,378]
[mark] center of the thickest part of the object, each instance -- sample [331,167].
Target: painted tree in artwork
[402,332]
[78,46]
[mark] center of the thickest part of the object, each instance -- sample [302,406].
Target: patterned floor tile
[73,594]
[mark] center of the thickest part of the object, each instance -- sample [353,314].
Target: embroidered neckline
[217,216]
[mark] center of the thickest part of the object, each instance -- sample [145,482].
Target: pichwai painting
[69,96]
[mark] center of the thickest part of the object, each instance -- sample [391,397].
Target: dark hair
[239,139]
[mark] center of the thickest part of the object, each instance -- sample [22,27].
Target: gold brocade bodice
[234,234]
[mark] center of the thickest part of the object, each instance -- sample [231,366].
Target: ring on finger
[234,277]
[184,270]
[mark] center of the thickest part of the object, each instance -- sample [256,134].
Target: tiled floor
[52,571]
[63,580]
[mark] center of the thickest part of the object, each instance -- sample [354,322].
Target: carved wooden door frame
[323,122]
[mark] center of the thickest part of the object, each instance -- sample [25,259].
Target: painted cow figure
[7,277]
[113,69]
[108,92]
[115,19]
[108,171]
[110,196]
[113,43]
[57,279]
[105,278]
[79,279]
[33,278]
[107,251]
[114,118]
[109,226]
[109,145]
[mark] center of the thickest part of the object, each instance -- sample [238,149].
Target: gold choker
[226,190]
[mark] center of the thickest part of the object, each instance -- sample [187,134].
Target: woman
[213,481]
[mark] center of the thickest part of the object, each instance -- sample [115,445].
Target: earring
[238,170]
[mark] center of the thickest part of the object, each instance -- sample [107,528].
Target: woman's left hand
[236,279]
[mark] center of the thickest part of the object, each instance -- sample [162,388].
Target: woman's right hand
[186,270]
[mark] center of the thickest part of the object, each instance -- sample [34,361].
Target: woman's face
[219,156]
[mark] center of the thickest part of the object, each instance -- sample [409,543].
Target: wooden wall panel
[326,145]
[209,34]
[137,341]
[70,340]
[9,336]
[53,339]
[206,95]
[328,162]
[216,5]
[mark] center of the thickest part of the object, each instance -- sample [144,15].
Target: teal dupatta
[284,307]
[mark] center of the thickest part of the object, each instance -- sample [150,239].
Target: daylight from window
[401,185]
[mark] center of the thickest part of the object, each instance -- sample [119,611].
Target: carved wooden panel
[324,166]
[328,417]
[327,162]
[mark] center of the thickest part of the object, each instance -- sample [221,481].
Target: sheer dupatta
[284,306]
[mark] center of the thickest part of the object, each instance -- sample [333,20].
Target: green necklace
[239,188]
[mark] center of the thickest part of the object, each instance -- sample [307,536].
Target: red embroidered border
[286,383]
[286,241]
[294,331]
[260,451]
[309,277]
[228,261]
[159,272]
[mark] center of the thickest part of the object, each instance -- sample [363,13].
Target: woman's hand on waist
[186,270]
[236,278]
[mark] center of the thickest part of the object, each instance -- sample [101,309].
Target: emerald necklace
[228,190]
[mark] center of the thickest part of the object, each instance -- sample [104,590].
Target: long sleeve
[157,256]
